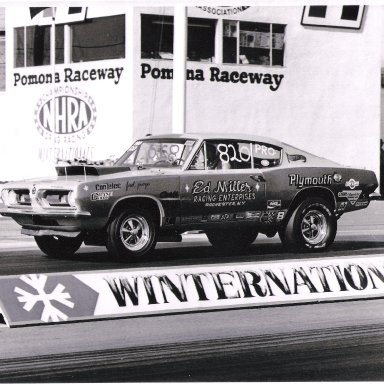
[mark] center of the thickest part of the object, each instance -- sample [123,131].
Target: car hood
[74,174]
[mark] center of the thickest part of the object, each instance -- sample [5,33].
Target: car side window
[266,155]
[234,154]
[231,154]
[198,162]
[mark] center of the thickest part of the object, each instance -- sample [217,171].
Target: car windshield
[157,153]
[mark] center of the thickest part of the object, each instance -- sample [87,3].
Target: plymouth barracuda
[230,187]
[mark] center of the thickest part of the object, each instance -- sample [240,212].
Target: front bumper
[64,232]
[54,222]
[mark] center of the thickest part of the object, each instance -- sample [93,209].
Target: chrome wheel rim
[314,227]
[134,233]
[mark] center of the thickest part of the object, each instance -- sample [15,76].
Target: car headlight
[12,197]
[72,198]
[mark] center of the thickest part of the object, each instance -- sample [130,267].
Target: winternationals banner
[61,297]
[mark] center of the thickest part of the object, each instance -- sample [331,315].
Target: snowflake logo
[50,312]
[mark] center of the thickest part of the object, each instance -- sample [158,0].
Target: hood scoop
[89,170]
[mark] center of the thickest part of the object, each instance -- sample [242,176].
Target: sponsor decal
[223,11]
[352,183]
[101,195]
[352,196]
[252,215]
[259,217]
[143,185]
[223,194]
[268,217]
[191,219]
[273,204]
[337,177]
[342,206]
[107,186]
[361,204]
[216,75]
[86,188]
[301,181]
[223,217]
[169,195]
[94,295]
[66,115]
[129,185]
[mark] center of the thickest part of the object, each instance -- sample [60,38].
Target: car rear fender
[142,201]
[305,193]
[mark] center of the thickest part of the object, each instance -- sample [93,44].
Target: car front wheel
[58,246]
[132,234]
[312,226]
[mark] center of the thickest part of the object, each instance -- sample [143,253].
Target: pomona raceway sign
[47,298]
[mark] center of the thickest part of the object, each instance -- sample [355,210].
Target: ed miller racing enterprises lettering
[231,187]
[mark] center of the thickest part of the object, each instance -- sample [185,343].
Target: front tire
[58,246]
[312,226]
[132,234]
[233,239]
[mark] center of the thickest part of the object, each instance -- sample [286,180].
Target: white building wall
[328,101]
[32,153]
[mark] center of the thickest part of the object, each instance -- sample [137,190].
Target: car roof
[215,136]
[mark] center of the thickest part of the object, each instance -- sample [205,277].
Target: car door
[221,184]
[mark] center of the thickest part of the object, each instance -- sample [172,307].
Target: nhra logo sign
[65,115]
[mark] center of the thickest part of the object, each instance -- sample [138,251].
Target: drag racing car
[230,187]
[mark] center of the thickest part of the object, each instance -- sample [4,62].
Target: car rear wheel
[231,239]
[58,246]
[132,234]
[312,226]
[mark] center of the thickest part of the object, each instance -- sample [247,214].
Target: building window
[98,39]
[94,39]
[317,11]
[59,44]
[33,46]
[201,39]
[253,43]
[350,12]
[19,47]
[157,38]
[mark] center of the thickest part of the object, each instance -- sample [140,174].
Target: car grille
[55,198]
[22,196]
[45,198]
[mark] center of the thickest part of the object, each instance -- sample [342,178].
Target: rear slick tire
[312,226]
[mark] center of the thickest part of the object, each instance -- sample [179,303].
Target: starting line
[66,297]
